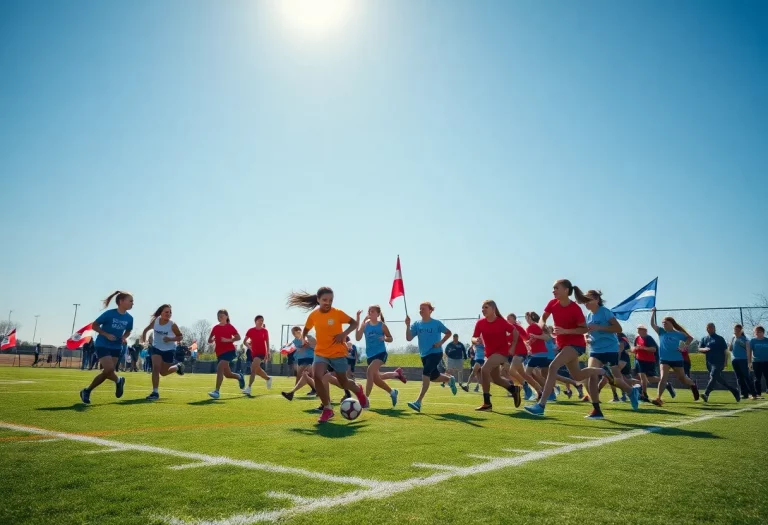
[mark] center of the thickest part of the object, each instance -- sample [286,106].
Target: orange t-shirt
[327,326]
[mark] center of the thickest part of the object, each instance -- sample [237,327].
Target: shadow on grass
[390,412]
[459,418]
[203,402]
[523,414]
[333,429]
[77,407]
[140,401]
[683,432]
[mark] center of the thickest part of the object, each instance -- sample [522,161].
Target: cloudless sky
[220,154]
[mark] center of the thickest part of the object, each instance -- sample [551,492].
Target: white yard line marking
[433,466]
[387,489]
[584,437]
[516,450]
[298,500]
[30,441]
[480,456]
[608,431]
[116,446]
[103,451]
[556,443]
[191,465]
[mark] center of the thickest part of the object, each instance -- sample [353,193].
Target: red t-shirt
[223,331]
[494,335]
[643,355]
[537,345]
[258,338]
[568,317]
[522,337]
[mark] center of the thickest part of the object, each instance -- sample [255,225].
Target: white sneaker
[269,384]
[247,391]
[214,394]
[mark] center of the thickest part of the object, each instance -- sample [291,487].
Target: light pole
[75,317]
[9,318]
[34,333]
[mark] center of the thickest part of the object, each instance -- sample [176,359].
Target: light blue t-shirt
[303,353]
[374,345]
[114,323]
[551,347]
[599,341]
[759,350]
[480,352]
[739,347]
[428,333]
[669,344]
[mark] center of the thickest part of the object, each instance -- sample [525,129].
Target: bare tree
[200,331]
[187,337]
[757,313]
[6,327]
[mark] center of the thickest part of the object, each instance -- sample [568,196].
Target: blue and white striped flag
[644,298]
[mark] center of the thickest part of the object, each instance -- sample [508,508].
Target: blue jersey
[428,333]
[739,347]
[551,348]
[303,353]
[669,344]
[602,342]
[114,323]
[759,350]
[374,339]
[480,352]
[352,352]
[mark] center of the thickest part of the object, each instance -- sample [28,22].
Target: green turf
[699,473]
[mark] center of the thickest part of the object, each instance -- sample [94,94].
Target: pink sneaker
[401,376]
[363,400]
[325,416]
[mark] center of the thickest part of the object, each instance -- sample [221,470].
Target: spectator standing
[456,353]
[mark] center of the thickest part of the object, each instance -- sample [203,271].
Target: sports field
[238,460]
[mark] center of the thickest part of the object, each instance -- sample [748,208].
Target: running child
[428,331]
[377,335]
[671,338]
[224,336]
[495,331]
[477,364]
[517,359]
[258,338]
[113,328]
[304,356]
[165,336]
[570,327]
[331,351]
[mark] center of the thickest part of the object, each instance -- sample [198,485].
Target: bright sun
[315,18]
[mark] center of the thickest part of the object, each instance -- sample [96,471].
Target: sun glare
[315,18]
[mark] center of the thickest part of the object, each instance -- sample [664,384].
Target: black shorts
[167,355]
[677,365]
[351,363]
[607,358]
[687,368]
[227,356]
[430,362]
[305,361]
[627,370]
[539,362]
[378,357]
[291,359]
[102,352]
[647,367]
[249,357]
[480,362]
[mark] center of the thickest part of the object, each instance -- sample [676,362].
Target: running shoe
[119,387]
[415,405]
[535,409]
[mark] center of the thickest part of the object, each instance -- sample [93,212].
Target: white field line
[584,437]
[556,443]
[30,441]
[191,465]
[103,451]
[297,500]
[480,456]
[516,450]
[115,446]
[386,489]
[433,466]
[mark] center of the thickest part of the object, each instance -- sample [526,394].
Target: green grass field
[264,459]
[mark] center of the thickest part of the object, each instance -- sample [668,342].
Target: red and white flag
[288,349]
[398,289]
[9,341]
[80,337]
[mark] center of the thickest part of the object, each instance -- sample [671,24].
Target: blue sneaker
[241,380]
[85,396]
[452,384]
[415,405]
[557,390]
[393,395]
[214,394]
[531,397]
[527,390]
[552,397]
[535,409]
[154,396]
[119,387]
[671,391]
[634,398]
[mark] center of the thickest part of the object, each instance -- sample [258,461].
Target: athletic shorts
[607,358]
[563,371]
[249,357]
[351,364]
[167,355]
[648,368]
[305,361]
[626,370]
[455,364]
[539,362]
[677,365]
[623,356]
[430,363]
[291,359]
[338,364]
[581,350]
[472,363]
[227,356]
[102,352]
[378,357]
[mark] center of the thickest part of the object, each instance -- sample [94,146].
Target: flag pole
[405,304]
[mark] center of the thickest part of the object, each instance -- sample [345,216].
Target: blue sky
[213,154]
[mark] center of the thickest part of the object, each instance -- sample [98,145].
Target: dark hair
[533,315]
[256,320]
[295,328]
[492,304]
[157,313]
[381,314]
[738,325]
[675,324]
[118,295]
[305,300]
[760,328]
[591,295]
[513,315]
[566,283]
[223,311]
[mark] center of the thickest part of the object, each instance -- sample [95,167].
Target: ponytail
[591,295]
[492,304]
[159,311]
[567,284]
[677,326]
[117,295]
[305,300]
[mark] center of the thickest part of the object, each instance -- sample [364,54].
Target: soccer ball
[350,408]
